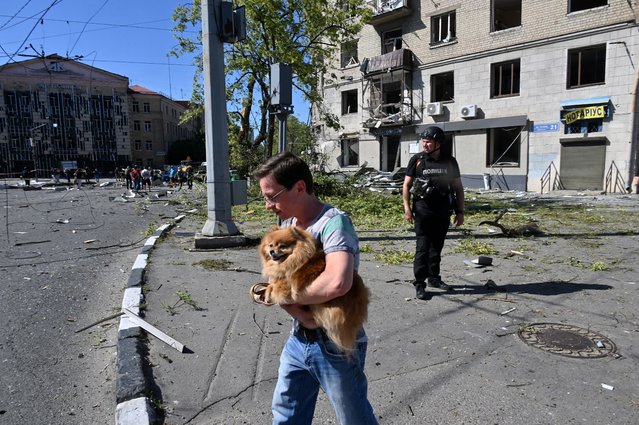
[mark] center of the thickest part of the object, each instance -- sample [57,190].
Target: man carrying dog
[309,359]
[433,180]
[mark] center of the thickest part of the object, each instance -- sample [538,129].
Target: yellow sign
[587,113]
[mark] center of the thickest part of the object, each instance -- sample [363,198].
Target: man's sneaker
[441,285]
[420,291]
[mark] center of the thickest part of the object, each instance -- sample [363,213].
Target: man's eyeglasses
[273,199]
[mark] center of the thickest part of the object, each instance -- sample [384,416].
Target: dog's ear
[297,233]
[274,228]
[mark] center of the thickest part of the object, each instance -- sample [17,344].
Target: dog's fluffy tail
[343,317]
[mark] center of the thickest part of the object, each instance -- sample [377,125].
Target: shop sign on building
[585,113]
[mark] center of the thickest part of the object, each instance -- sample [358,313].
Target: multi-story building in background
[532,95]
[60,113]
[155,125]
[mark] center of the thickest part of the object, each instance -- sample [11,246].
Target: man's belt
[311,335]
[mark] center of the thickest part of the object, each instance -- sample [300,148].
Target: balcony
[398,59]
[388,10]
[388,90]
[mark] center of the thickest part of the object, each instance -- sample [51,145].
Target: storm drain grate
[567,340]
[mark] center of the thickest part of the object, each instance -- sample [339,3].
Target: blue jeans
[305,366]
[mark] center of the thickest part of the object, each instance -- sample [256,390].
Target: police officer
[433,181]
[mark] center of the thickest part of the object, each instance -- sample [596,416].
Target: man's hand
[301,313]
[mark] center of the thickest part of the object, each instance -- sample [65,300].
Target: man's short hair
[287,169]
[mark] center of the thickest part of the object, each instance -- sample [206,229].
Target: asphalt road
[65,259]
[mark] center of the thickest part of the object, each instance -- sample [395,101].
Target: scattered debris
[510,310]
[529,229]
[381,181]
[90,240]
[481,261]
[607,387]
[153,330]
[61,221]
[490,285]
[31,242]
[113,316]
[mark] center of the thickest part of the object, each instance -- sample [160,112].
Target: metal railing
[614,181]
[551,179]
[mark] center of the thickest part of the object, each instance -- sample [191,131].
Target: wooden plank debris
[153,330]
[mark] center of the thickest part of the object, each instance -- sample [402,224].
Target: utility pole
[281,98]
[219,229]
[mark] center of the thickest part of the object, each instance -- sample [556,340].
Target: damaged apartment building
[60,113]
[532,95]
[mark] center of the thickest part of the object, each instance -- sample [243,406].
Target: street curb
[133,386]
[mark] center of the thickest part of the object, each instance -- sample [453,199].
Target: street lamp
[33,150]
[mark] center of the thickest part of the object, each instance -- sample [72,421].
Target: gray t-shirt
[334,229]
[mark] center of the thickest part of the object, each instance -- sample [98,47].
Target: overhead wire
[85,25]
[55,2]
[14,15]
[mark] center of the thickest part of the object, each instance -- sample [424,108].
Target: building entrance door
[390,153]
[582,164]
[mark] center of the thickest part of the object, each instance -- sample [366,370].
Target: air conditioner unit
[469,111]
[434,108]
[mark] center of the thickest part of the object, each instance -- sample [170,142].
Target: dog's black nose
[272,253]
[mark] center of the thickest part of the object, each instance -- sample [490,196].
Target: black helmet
[435,133]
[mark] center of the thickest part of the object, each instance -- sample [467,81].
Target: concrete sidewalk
[455,359]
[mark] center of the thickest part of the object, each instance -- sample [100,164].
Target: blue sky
[126,37]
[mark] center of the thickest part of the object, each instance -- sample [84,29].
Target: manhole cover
[567,340]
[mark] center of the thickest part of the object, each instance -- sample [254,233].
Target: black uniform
[433,203]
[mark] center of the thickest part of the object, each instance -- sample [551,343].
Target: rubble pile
[382,181]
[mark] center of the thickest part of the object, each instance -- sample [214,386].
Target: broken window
[442,87]
[443,28]
[576,5]
[504,79]
[349,152]
[506,14]
[391,41]
[587,66]
[349,54]
[349,101]
[503,147]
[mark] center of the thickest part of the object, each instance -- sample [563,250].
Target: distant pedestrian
[189,177]
[55,175]
[26,176]
[146,178]
[127,177]
[77,178]
[67,174]
[136,179]
[96,174]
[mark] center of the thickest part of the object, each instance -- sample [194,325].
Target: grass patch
[150,230]
[473,247]
[395,257]
[366,248]
[210,264]
[184,298]
[599,266]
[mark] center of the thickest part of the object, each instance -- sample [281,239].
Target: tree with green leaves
[298,32]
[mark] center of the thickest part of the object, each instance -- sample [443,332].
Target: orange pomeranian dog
[292,259]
